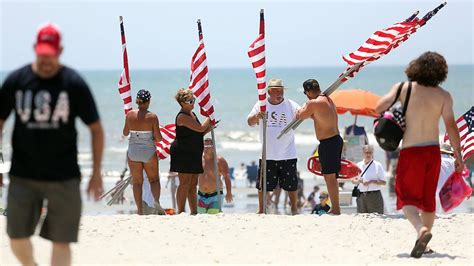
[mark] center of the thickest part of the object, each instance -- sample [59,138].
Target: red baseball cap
[48,41]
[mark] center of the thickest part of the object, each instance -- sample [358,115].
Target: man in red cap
[46,98]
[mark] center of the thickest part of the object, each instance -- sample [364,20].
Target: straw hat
[275,83]
[446,148]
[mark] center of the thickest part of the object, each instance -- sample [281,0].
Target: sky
[163,34]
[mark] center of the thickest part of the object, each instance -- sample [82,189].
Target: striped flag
[124,86]
[256,53]
[466,132]
[199,82]
[383,41]
[168,134]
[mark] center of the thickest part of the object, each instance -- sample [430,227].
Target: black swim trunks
[282,172]
[330,151]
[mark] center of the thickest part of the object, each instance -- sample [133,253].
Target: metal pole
[1,146]
[264,163]
[119,191]
[216,170]
[296,122]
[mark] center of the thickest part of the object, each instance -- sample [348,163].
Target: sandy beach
[262,239]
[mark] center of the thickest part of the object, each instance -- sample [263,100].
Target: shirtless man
[419,163]
[143,127]
[322,110]
[208,199]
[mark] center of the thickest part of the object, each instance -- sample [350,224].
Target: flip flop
[420,245]
[428,251]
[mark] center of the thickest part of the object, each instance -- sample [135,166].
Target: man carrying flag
[419,163]
[281,153]
[323,111]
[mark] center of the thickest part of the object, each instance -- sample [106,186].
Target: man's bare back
[323,112]
[426,106]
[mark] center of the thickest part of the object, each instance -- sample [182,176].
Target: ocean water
[233,92]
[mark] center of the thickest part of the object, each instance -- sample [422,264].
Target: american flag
[124,87]
[466,132]
[256,53]
[199,81]
[168,134]
[383,41]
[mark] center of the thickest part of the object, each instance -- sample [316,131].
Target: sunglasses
[323,197]
[190,101]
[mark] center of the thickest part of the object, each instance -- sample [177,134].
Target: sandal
[420,245]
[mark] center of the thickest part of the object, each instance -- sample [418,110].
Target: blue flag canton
[469,119]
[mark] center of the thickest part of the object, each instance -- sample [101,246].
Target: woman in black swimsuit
[186,150]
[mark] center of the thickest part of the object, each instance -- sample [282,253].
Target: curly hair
[183,94]
[429,69]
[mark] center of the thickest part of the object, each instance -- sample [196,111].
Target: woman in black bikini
[186,150]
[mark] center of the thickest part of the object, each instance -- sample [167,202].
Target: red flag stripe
[168,134]
[466,133]
[256,53]
[199,82]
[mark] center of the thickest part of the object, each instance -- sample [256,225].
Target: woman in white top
[370,183]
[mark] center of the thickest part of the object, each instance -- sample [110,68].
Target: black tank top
[188,139]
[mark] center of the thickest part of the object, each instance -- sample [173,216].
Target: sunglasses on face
[323,197]
[191,101]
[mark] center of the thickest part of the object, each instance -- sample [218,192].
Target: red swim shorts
[417,177]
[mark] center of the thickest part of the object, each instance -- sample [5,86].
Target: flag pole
[214,144]
[122,185]
[296,122]
[216,169]
[263,165]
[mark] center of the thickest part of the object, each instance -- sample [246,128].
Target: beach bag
[390,126]
[454,191]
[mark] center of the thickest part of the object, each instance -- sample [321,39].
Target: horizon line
[230,68]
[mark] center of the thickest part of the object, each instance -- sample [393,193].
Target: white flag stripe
[259,68]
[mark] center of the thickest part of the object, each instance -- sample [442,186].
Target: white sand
[251,238]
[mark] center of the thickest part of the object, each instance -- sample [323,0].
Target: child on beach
[322,207]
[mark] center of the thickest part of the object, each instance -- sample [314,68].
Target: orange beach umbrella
[356,101]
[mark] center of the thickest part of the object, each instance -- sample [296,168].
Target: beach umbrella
[355,101]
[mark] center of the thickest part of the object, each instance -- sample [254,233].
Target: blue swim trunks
[209,202]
